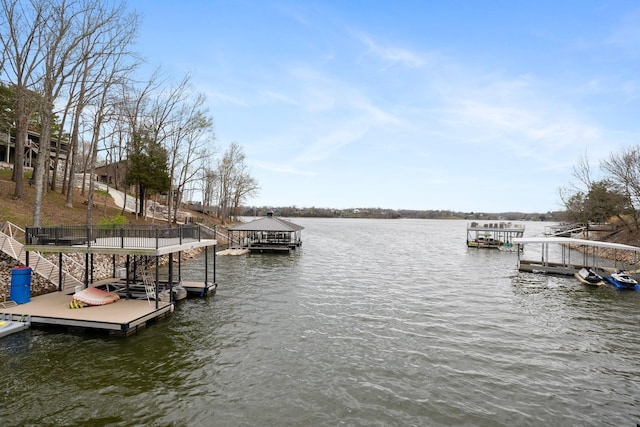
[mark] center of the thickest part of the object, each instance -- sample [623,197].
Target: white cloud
[279,97]
[391,55]
[283,169]
[226,99]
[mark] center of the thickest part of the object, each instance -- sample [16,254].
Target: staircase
[10,245]
[214,233]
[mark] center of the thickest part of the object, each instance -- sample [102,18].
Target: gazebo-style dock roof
[140,246]
[267,234]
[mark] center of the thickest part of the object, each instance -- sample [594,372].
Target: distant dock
[493,235]
[267,234]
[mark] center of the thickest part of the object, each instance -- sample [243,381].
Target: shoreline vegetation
[381,213]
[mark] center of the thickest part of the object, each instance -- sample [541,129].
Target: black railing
[112,236]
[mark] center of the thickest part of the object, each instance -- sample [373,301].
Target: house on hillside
[31,149]
[112,174]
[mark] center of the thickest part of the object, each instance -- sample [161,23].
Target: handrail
[117,236]
[42,266]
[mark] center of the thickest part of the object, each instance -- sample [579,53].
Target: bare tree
[573,197]
[136,101]
[244,186]
[117,36]
[21,39]
[624,170]
[61,38]
[234,181]
[209,188]
[187,147]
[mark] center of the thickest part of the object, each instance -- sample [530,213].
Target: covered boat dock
[566,255]
[267,234]
[137,304]
[494,235]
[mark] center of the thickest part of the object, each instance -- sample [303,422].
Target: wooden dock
[199,289]
[121,318]
[497,235]
[559,260]
[267,234]
[138,305]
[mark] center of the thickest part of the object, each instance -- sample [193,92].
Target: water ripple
[378,323]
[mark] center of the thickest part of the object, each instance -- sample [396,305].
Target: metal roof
[268,223]
[573,241]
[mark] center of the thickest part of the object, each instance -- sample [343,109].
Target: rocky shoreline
[39,285]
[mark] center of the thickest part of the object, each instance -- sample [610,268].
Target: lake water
[370,323]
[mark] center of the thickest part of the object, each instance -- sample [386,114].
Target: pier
[494,235]
[267,234]
[143,296]
[555,255]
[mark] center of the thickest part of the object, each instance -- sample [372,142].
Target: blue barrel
[21,284]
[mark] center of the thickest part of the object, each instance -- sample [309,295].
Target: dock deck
[121,318]
[495,235]
[267,234]
[555,255]
[136,307]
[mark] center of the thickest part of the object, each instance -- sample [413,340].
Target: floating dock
[121,318]
[555,255]
[494,235]
[141,301]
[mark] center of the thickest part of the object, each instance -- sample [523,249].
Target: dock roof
[268,223]
[574,241]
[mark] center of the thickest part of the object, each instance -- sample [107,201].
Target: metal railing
[112,236]
[41,265]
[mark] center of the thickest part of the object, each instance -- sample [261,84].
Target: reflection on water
[371,322]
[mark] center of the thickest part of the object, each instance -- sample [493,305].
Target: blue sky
[478,106]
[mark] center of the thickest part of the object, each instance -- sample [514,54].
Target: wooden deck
[557,268]
[123,317]
[201,289]
[559,261]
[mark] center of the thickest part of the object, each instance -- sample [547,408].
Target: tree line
[613,197]
[71,64]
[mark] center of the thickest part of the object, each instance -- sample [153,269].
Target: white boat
[10,326]
[622,280]
[179,292]
[589,277]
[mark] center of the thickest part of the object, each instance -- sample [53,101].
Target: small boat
[10,326]
[179,292]
[589,277]
[622,280]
